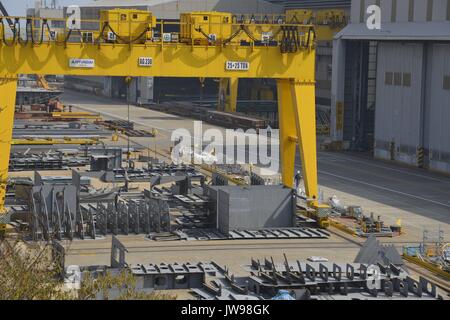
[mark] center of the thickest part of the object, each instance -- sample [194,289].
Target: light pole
[128,81]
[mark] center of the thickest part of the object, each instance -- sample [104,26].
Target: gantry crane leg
[8,88]
[288,131]
[297,119]
[228,90]
[223,90]
[304,102]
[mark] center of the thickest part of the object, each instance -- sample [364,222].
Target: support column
[337,90]
[8,88]
[288,131]
[107,87]
[304,102]
[228,91]
[232,102]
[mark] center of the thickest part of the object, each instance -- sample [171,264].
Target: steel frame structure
[293,69]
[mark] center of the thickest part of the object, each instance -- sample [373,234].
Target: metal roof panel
[436,30]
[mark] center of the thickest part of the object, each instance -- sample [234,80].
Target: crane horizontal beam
[168,60]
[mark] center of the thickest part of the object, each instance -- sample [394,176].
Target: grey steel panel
[253,208]
[438,112]
[397,114]
[287,233]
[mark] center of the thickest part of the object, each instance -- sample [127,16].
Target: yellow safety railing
[261,30]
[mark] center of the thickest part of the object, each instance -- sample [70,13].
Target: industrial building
[391,87]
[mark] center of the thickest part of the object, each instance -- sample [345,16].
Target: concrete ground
[420,199]
[417,197]
[232,254]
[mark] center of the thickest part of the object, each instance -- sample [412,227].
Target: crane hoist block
[205,27]
[127,24]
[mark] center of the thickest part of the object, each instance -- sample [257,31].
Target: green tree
[120,286]
[30,273]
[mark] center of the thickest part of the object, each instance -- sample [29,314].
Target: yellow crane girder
[228,91]
[327,22]
[293,67]
[167,60]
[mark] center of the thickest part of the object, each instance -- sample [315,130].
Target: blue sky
[18,7]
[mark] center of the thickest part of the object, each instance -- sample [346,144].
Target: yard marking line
[435,189]
[121,118]
[384,188]
[319,171]
[384,167]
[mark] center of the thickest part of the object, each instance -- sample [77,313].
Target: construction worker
[297,179]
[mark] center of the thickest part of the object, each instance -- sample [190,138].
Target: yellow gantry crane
[326,22]
[40,79]
[209,45]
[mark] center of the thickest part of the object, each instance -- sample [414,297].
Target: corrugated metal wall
[398,101]
[352,81]
[437,131]
[313,3]
[403,10]
[412,103]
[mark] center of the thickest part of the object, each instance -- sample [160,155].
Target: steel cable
[28,32]
[203,33]
[234,35]
[100,37]
[311,30]
[248,33]
[44,23]
[19,37]
[294,19]
[30,23]
[130,41]
[66,39]
[64,42]
[13,29]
